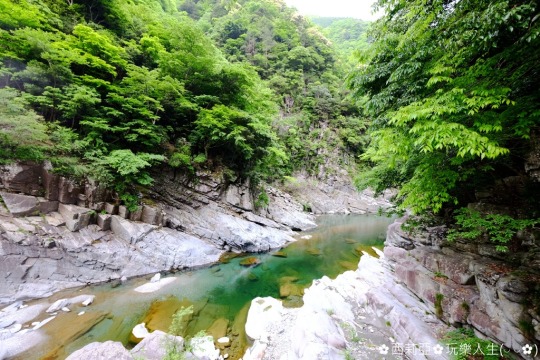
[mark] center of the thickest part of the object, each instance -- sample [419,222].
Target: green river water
[220,294]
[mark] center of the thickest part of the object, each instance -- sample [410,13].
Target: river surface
[220,294]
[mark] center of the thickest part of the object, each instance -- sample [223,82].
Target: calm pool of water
[219,294]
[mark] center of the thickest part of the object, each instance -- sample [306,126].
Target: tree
[449,87]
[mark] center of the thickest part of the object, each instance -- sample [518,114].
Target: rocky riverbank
[468,284]
[362,314]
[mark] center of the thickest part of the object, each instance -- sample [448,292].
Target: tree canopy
[451,90]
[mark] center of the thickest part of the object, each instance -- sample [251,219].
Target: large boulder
[76,217]
[20,205]
[109,350]
[203,348]
[154,346]
[262,312]
[22,177]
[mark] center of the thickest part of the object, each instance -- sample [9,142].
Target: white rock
[43,323]
[226,356]
[203,348]
[140,331]
[57,305]
[151,287]
[224,340]
[306,237]
[88,301]
[262,312]
[81,313]
[65,309]
[123,278]
[15,328]
[155,278]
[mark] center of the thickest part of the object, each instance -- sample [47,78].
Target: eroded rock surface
[467,286]
[352,316]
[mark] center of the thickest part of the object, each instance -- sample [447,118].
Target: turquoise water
[219,294]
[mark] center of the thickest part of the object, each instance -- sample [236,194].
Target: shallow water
[220,294]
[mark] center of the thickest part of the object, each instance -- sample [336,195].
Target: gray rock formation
[466,288]
[348,315]
[155,345]
[188,225]
[109,350]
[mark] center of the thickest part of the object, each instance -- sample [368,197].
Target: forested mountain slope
[110,89]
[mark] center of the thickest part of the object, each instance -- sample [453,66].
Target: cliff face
[467,284]
[57,233]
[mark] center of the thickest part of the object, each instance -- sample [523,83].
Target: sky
[360,9]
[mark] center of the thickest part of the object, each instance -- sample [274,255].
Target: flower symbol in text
[527,349]
[383,349]
[438,349]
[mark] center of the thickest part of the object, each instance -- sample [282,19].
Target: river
[220,294]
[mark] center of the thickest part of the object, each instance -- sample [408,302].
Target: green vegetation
[111,90]
[499,229]
[449,90]
[349,36]
[438,305]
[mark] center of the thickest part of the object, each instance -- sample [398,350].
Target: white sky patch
[359,9]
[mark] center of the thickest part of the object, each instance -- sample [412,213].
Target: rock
[154,286]
[257,351]
[68,191]
[155,345]
[140,331]
[55,219]
[250,261]
[20,205]
[151,215]
[81,313]
[59,304]
[123,212]
[7,226]
[23,177]
[239,196]
[224,341]
[136,214]
[89,300]
[203,348]
[263,311]
[218,329]
[44,322]
[155,278]
[104,221]
[76,217]
[51,182]
[289,289]
[129,231]
[65,309]
[280,254]
[45,206]
[6,323]
[314,251]
[123,278]
[108,350]
[111,209]
[15,328]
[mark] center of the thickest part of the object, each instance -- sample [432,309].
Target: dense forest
[111,89]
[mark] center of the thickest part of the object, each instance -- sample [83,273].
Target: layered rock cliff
[57,233]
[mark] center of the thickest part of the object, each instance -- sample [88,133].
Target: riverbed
[220,294]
